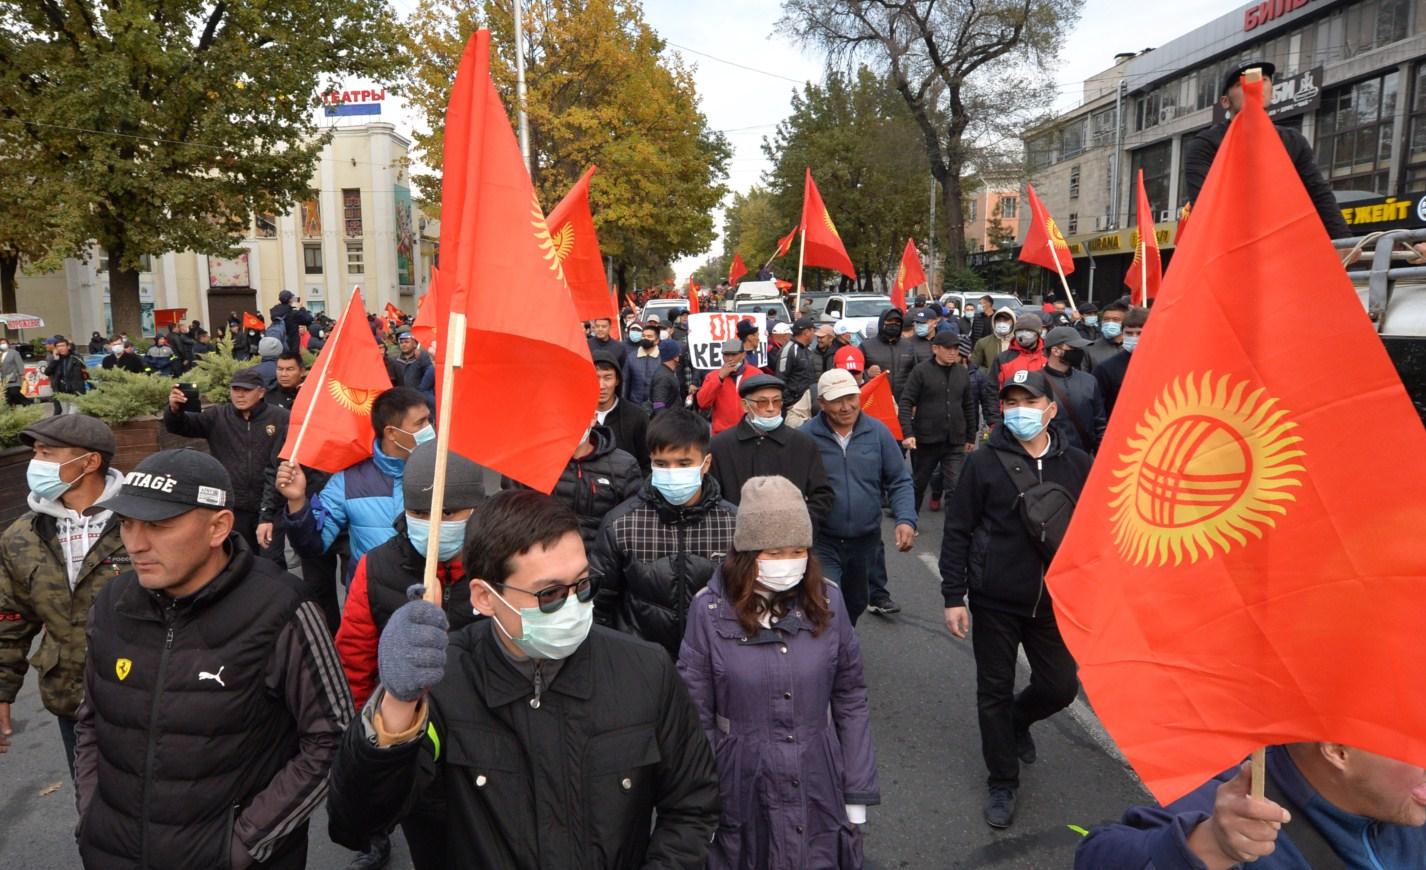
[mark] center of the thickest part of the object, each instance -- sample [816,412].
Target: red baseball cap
[849,358]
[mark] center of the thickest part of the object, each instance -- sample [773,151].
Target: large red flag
[822,246]
[878,402]
[572,231]
[423,328]
[737,270]
[784,244]
[1146,272]
[252,321]
[693,289]
[331,417]
[1239,571]
[524,397]
[1044,244]
[909,274]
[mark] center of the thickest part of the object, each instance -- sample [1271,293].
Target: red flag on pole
[909,274]
[784,244]
[693,289]
[1239,572]
[394,313]
[423,328]
[1044,244]
[822,245]
[1146,272]
[737,270]
[577,246]
[330,426]
[878,402]
[495,242]
[252,321]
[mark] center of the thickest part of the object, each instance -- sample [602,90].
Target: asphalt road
[922,686]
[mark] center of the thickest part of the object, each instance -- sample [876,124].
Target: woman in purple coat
[775,671]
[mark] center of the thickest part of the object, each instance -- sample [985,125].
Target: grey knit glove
[411,655]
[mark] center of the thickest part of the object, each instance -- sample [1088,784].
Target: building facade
[1351,77]
[360,228]
[992,208]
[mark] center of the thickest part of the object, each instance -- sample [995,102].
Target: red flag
[1043,242]
[822,246]
[693,289]
[878,402]
[577,246]
[784,244]
[1182,223]
[499,263]
[1146,272]
[909,274]
[394,314]
[1239,572]
[331,418]
[423,328]
[252,321]
[737,270]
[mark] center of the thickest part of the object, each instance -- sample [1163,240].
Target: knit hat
[771,514]
[465,483]
[269,348]
[1031,322]
[669,350]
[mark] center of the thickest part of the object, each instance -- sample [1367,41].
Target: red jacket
[1017,359]
[721,396]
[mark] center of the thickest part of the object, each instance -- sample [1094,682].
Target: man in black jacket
[763,444]
[938,407]
[288,373]
[655,551]
[1081,418]
[244,434]
[553,742]
[1203,147]
[987,549]
[889,351]
[1110,373]
[598,478]
[292,316]
[214,702]
[66,373]
[794,362]
[626,421]
[121,356]
[980,324]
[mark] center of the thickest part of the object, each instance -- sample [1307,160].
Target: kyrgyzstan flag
[1146,272]
[693,289]
[330,427]
[737,270]
[821,246]
[572,232]
[1240,571]
[394,313]
[522,398]
[252,321]
[877,401]
[1044,244]
[423,328]
[909,274]
[784,244]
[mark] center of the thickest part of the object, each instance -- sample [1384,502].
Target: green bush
[213,372]
[13,419]
[119,396]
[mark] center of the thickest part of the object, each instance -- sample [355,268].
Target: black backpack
[1045,507]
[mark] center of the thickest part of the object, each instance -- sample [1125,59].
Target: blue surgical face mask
[1092,319]
[1025,423]
[44,480]
[922,330]
[677,485]
[550,635]
[766,424]
[452,536]
[1111,328]
[421,436]
[1130,342]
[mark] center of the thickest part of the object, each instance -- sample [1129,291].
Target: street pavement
[922,687]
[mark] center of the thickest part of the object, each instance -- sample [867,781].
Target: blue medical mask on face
[1091,319]
[1111,328]
[44,480]
[677,485]
[922,329]
[1025,423]
[418,531]
[1130,342]
[550,635]
[766,424]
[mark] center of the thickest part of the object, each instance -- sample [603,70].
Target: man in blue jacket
[1327,805]
[365,499]
[862,462]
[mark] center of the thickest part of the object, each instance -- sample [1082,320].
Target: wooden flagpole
[321,376]
[455,358]
[1259,783]
[1064,282]
[1143,271]
[801,252]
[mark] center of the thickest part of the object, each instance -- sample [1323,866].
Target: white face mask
[780,575]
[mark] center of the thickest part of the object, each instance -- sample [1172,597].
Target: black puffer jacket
[797,370]
[897,356]
[653,557]
[596,484]
[247,446]
[938,404]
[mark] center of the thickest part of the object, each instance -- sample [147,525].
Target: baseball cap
[926,315]
[1032,382]
[169,483]
[849,358]
[1065,335]
[782,329]
[247,379]
[843,327]
[732,346]
[71,430]
[803,323]
[759,382]
[836,383]
[747,328]
[946,339]
[1234,74]
[284,296]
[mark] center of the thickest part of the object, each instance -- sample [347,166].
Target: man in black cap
[625,420]
[753,352]
[213,698]
[1005,569]
[923,326]
[795,364]
[53,561]
[889,351]
[244,434]
[1081,418]
[411,361]
[1203,147]
[762,444]
[290,314]
[718,395]
[938,415]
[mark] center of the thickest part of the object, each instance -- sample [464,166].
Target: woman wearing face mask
[774,668]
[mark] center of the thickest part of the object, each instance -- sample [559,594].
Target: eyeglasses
[765,404]
[552,598]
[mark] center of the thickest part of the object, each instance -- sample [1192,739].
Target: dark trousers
[996,636]
[876,576]
[245,523]
[13,396]
[847,562]
[66,734]
[319,584]
[927,458]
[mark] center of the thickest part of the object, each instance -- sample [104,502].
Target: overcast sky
[746,72]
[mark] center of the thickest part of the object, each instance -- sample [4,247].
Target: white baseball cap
[836,383]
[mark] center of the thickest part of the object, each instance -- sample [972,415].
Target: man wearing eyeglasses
[763,444]
[553,742]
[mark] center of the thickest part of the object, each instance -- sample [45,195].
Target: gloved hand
[411,656]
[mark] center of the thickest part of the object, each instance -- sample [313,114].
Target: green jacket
[35,594]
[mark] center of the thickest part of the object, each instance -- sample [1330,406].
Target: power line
[736,64]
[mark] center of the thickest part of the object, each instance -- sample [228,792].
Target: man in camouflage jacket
[53,562]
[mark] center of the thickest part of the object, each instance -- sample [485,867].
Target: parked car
[776,306]
[999,301]
[858,309]
[664,308]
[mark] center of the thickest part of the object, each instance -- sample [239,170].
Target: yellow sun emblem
[542,236]
[901,276]
[563,240]
[1055,235]
[354,400]
[1209,465]
[827,217]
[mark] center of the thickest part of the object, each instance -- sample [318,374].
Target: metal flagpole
[520,84]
